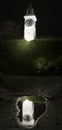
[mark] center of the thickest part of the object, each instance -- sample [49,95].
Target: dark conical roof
[30,10]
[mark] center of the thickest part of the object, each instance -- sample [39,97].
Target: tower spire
[30,10]
[30,3]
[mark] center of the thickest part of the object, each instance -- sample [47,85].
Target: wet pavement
[12,87]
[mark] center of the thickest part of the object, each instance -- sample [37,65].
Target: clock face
[29,22]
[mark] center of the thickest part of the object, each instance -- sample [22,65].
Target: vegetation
[41,56]
[35,99]
[10,30]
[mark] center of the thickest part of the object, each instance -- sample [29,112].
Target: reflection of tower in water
[30,111]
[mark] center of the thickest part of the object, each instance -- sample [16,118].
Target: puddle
[29,110]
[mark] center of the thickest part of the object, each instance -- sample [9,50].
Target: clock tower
[30,24]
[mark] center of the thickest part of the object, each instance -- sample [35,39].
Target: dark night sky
[48,12]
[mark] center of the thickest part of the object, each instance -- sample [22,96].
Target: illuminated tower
[30,24]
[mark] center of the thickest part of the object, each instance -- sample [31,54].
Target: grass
[21,57]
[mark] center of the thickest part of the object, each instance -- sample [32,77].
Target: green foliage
[9,30]
[35,99]
[22,57]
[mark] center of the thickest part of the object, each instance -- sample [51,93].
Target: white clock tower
[30,24]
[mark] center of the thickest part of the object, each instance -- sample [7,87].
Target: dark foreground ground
[12,87]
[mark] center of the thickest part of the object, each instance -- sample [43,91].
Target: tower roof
[30,10]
